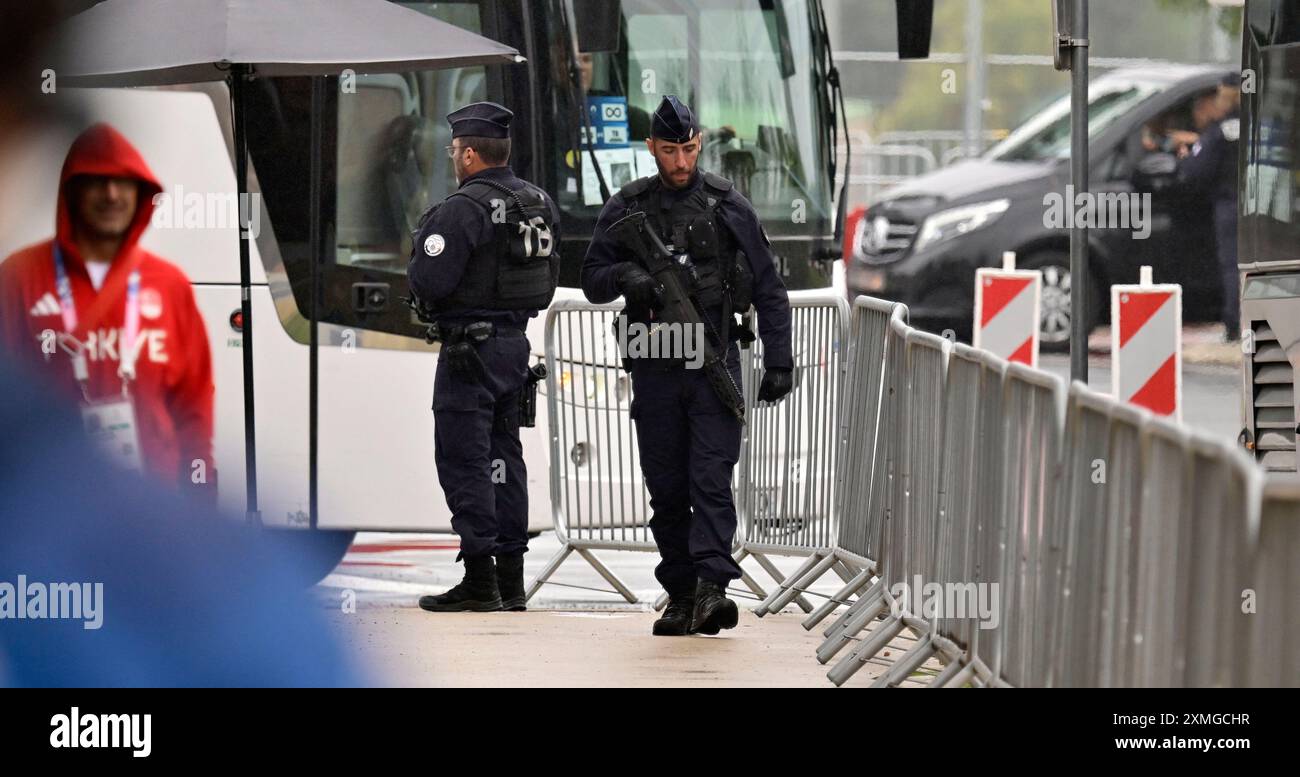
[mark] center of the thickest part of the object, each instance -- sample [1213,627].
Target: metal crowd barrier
[598,497]
[1273,660]
[1122,545]
[910,522]
[785,496]
[1117,549]
[789,466]
[862,445]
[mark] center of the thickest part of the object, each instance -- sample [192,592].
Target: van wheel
[1054,321]
[311,554]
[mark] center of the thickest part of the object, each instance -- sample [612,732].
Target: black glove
[638,287]
[464,363]
[777,382]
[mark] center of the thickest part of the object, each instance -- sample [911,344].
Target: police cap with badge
[480,120]
[673,121]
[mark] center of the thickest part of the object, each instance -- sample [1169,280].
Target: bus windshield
[1046,135]
[747,69]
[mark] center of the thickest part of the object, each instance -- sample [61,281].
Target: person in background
[1209,168]
[109,324]
[189,597]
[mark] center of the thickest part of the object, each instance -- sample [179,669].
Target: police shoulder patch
[434,244]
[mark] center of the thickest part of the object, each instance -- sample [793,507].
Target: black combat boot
[676,620]
[713,610]
[510,579]
[476,593]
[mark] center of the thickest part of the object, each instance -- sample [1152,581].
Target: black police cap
[673,121]
[481,120]
[1232,80]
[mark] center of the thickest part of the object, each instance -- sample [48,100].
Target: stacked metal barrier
[788,478]
[862,437]
[1273,659]
[1122,545]
[1118,549]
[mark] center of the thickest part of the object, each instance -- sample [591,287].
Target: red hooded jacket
[173,389]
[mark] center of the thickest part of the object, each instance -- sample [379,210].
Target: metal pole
[1079,181]
[974,103]
[239,81]
[313,358]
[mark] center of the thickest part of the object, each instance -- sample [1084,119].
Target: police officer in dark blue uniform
[1210,168]
[484,261]
[687,435]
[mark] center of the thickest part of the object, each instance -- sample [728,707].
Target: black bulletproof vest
[693,226]
[519,268]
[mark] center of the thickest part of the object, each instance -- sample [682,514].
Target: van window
[1046,136]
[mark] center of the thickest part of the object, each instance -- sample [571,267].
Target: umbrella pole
[313,360]
[238,86]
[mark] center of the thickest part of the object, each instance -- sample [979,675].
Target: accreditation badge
[112,430]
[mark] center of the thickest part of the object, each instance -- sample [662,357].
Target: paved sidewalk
[572,635]
[405,646]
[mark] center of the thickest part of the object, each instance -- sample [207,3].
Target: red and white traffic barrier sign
[1006,311]
[1146,327]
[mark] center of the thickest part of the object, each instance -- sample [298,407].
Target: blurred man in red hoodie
[112,325]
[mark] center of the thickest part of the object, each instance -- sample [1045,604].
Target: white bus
[759,84]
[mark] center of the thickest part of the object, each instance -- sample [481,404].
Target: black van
[921,243]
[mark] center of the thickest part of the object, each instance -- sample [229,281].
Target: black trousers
[688,443]
[477,449]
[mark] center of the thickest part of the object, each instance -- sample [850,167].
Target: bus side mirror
[915,18]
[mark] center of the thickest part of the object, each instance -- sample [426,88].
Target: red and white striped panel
[1006,313]
[1147,346]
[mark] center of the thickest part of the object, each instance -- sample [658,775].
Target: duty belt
[476,333]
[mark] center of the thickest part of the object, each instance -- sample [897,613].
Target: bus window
[390,159]
[747,70]
[1270,207]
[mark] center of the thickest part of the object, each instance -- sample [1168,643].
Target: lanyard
[130,332]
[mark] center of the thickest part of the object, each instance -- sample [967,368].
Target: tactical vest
[693,226]
[519,268]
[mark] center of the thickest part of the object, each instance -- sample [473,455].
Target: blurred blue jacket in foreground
[190,597]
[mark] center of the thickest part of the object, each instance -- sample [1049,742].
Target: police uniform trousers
[477,449]
[689,444]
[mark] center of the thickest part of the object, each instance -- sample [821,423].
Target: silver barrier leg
[548,570]
[850,664]
[946,676]
[865,600]
[609,576]
[775,574]
[799,583]
[750,582]
[959,679]
[907,663]
[865,616]
[746,578]
[845,571]
[841,597]
[559,558]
